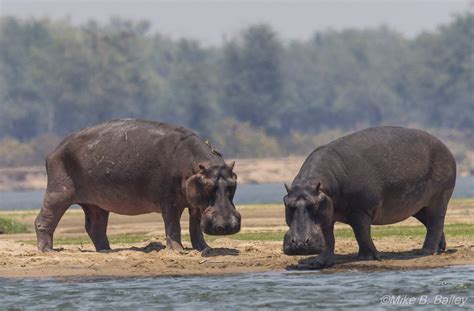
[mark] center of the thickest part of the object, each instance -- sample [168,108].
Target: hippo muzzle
[303,244]
[220,222]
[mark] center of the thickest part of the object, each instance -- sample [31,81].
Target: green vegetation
[378,232]
[256,95]
[126,238]
[9,225]
[461,230]
[113,239]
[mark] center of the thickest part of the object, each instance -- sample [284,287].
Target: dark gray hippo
[376,176]
[133,167]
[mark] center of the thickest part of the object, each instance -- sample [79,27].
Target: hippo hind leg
[57,199]
[432,216]
[421,216]
[54,206]
[96,220]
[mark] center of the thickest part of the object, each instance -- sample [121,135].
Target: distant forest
[255,95]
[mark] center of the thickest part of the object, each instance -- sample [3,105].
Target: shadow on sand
[220,251]
[346,260]
[151,247]
[157,246]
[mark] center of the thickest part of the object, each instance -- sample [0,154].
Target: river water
[282,290]
[246,194]
[423,289]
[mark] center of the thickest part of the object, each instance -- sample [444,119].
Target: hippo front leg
[327,258]
[195,231]
[96,220]
[360,224]
[171,217]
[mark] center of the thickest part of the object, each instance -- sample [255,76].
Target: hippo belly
[130,208]
[397,206]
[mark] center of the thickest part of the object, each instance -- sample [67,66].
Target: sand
[227,257]
[19,257]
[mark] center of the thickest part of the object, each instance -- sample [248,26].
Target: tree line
[255,95]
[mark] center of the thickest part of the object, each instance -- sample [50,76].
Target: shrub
[8,226]
[240,139]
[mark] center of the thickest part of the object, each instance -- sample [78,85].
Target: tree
[252,77]
[190,98]
[443,75]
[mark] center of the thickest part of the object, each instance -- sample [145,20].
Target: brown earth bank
[249,171]
[148,257]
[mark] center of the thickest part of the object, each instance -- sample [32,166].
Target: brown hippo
[376,176]
[133,167]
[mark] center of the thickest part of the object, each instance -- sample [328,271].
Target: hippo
[133,167]
[376,176]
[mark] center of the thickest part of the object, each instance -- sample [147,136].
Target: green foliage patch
[256,95]
[9,226]
[378,232]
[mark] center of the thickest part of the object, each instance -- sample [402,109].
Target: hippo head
[307,210]
[212,190]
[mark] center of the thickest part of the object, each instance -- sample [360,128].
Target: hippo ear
[288,188]
[231,165]
[317,188]
[203,166]
[195,191]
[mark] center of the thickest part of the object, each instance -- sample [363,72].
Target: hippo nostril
[220,228]
[293,241]
[307,240]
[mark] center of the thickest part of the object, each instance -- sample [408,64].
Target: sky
[212,21]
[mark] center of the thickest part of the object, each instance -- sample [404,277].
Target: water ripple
[264,291]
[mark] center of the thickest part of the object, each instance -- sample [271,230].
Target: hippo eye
[291,205]
[313,208]
[230,190]
[208,184]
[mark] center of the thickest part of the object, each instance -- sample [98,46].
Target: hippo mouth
[221,229]
[310,245]
[294,251]
[215,224]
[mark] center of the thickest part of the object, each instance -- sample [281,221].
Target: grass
[451,230]
[127,238]
[9,225]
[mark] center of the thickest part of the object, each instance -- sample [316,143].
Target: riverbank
[138,249]
[249,171]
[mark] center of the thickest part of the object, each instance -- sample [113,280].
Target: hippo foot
[427,252]
[47,250]
[318,263]
[104,250]
[174,246]
[45,247]
[51,250]
[368,255]
[206,252]
[201,246]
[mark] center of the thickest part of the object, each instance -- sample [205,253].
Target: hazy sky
[210,21]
